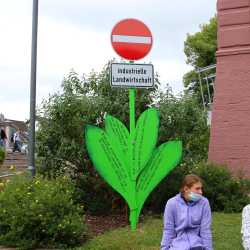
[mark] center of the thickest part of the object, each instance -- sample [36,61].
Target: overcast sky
[75,34]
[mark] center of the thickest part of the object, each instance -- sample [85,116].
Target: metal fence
[207,75]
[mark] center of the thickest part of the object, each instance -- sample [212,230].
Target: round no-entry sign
[131,39]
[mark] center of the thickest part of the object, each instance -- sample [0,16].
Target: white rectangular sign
[132,75]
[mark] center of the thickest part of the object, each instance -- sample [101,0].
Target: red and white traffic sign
[131,39]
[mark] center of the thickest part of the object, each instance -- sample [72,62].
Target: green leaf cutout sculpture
[131,163]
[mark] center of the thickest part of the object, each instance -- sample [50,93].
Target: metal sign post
[31,161]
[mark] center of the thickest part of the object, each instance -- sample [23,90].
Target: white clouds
[69,47]
[16,109]
[171,73]
[15,40]
[76,34]
[63,47]
[15,49]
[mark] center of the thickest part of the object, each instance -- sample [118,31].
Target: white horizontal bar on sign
[131,39]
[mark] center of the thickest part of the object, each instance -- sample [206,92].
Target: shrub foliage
[224,191]
[2,155]
[40,213]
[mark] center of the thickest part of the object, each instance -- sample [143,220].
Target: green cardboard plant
[130,162]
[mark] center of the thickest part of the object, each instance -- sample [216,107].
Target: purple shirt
[186,225]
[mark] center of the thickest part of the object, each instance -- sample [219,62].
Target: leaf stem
[133,219]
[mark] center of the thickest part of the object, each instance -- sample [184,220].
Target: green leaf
[119,134]
[145,140]
[163,160]
[108,160]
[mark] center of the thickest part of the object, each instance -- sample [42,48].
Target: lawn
[226,235]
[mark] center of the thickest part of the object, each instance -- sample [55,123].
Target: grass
[226,231]
[226,235]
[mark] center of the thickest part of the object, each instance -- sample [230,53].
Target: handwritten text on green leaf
[132,164]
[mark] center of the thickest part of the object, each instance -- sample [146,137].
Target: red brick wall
[230,128]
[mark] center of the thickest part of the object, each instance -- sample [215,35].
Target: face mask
[194,197]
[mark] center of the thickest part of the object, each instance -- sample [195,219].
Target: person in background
[17,141]
[3,138]
[187,218]
[245,227]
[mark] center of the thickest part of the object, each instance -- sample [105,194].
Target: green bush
[184,119]
[2,155]
[98,197]
[40,213]
[224,191]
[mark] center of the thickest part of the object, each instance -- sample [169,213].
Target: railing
[206,74]
[206,81]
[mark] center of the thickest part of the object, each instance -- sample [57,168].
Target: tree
[200,49]
[183,119]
